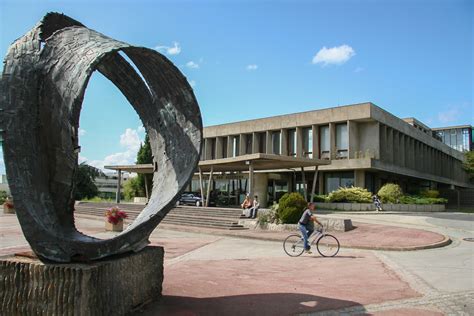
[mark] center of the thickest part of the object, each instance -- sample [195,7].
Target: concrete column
[284,142]
[359,178]
[119,184]
[389,145]
[201,187]
[242,144]
[315,129]
[313,187]
[261,188]
[321,183]
[299,142]
[219,144]
[230,144]
[255,143]
[209,185]
[303,178]
[268,139]
[332,140]
[251,180]
[353,138]
[208,149]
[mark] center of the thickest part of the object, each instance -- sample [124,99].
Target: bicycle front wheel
[293,245]
[328,245]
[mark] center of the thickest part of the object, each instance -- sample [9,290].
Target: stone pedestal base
[114,227]
[109,287]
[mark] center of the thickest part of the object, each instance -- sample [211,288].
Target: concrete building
[107,183]
[320,151]
[457,137]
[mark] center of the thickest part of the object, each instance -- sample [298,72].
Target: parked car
[193,198]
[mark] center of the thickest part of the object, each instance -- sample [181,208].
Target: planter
[8,209]
[114,227]
[356,207]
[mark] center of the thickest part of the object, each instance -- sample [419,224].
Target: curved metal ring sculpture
[42,88]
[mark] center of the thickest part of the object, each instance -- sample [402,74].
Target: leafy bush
[429,193]
[414,199]
[270,216]
[290,208]
[350,195]
[133,188]
[320,198]
[3,196]
[390,193]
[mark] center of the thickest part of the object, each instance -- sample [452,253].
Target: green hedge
[3,197]
[414,199]
[429,193]
[350,195]
[390,193]
[290,208]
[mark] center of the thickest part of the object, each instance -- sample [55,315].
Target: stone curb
[446,240]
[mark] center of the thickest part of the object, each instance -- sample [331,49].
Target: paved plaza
[215,272]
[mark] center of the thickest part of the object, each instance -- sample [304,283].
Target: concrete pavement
[210,274]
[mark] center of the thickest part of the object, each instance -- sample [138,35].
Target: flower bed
[114,219]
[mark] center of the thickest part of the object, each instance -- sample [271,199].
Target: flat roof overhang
[143,168]
[259,161]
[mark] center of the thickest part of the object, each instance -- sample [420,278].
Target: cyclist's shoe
[308,251]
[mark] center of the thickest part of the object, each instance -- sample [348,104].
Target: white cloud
[141,129]
[131,141]
[449,116]
[82,132]
[334,55]
[192,64]
[82,159]
[170,50]
[252,67]
[192,83]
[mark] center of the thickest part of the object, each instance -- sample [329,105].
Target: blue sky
[251,59]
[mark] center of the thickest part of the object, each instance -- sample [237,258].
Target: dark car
[192,198]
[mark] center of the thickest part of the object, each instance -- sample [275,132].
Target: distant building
[457,137]
[4,184]
[107,184]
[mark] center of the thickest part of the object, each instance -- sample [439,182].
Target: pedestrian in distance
[377,203]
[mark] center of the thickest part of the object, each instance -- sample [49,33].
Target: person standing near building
[255,206]
[306,225]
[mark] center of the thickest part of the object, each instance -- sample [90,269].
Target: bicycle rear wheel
[328,245]
[293,245]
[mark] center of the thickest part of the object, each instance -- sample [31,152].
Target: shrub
[320,198]
[270,216]
[3,196]
[429,193]
[290,208]
[414,199]
[390,193]
[350,195]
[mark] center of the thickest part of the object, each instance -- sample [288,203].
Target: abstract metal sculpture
[41,92]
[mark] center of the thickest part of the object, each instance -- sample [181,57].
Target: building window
[235,146]
[248,143]
[324,141]
[276,143]
[224,147]
[342,143]
[308,142]
[336,180]
[262,142]
[292,142]
[213,148]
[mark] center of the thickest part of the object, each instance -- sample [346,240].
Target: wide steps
[220,218]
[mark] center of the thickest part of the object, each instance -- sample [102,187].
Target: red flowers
[115,215]
[9,204]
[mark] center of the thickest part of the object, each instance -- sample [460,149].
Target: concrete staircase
[209,217]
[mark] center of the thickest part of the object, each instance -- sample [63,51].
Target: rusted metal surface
[41,92]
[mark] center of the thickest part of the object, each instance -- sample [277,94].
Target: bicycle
[326,244]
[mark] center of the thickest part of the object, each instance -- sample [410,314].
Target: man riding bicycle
[306,225]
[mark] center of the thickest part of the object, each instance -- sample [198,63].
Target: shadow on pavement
[258,304]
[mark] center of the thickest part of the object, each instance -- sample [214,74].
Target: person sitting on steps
[254,209]
[246,205]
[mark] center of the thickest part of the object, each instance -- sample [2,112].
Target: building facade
[457,137]
[364,145]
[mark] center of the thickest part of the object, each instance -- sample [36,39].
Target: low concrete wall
[330,224]
[109,287]
[356,207]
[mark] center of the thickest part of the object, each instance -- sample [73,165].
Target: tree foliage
[144,156]
[290,208]
[132,188]
[84,186]
[468,164]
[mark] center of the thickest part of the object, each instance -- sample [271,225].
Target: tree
[144,156]
[132,188]
[468,164]
[84,186]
